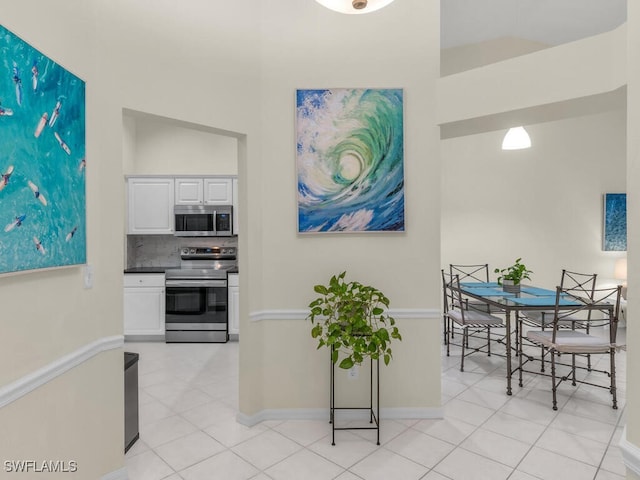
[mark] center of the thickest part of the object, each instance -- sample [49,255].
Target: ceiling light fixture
[516,138]
[354,6]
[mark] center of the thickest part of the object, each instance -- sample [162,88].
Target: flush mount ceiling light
[354,6]
[516,138]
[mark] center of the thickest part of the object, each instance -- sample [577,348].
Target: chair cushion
[474,317]
[570,341]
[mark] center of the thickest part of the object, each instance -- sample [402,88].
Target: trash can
[131,433]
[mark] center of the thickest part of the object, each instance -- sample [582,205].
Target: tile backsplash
[164,250]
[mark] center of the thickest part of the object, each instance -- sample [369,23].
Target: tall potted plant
[511,277]
[351,318]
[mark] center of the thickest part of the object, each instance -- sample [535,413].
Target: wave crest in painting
[350,160]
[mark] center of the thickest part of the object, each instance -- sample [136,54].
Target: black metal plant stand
[374,417]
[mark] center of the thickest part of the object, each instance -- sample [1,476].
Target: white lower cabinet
[234,304]
[144,305]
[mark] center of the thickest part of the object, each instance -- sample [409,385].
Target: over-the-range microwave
[203,220]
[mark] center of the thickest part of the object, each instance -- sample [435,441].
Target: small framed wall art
[350,160]
[614,236]
[42,183]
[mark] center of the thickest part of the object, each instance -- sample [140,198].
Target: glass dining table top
[528,297]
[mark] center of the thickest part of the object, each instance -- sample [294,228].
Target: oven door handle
[195,283]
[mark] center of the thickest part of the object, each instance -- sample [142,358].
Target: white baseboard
[323,414]
[398,313]
[120,474]
[22,386]
[630,453]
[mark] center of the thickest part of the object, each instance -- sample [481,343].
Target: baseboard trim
[13,391]
[398,313]
[323,414]
[630,453]
[120,474]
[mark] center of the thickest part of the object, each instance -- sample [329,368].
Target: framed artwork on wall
[615,222]
[42,187]
[350,160]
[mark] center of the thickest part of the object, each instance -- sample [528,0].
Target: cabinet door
[234,310]
[218,191]
[189,191]
[150,206]
[144,310]
[236,223]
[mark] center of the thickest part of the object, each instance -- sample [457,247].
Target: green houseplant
[511,277]
[351,318]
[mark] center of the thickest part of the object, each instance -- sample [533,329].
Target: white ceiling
[547,21]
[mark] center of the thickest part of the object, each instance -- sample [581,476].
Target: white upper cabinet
[189,191]
[218,191]
[204,191]
[150,205]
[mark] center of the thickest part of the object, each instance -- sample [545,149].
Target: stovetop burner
[204,263]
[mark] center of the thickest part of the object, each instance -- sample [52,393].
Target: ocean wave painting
[42,160]
[615,222]
[350,160]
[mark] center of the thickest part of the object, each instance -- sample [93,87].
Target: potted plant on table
[351,318]
[511,277]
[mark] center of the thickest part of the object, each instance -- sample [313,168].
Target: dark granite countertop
[147,269]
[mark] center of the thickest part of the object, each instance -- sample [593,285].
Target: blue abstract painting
[615,222]
[350,160]
[42,161]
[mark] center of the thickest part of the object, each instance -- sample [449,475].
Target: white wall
[171,148]
[543,204]
[49,315]
[333,50]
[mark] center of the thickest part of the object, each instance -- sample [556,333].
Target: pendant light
[354,6]
[516,138]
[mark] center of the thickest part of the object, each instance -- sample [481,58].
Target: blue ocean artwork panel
[350,160]
[615,222]
[42,160]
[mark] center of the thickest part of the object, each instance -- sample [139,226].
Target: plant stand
[374,417]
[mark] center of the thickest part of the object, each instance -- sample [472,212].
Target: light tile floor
[188,431]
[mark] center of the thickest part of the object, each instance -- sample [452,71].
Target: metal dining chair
[594,307]
[471,322]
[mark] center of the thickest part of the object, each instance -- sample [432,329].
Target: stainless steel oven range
[196,295]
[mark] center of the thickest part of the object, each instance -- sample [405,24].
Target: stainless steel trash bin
[131,433]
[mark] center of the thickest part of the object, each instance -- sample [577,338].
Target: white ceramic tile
[224,466]
[529,410]
[613,461]
[207,414]
[585,427]
[183,401]
[165,430]
[452,388]
[389,429]
[484,398]
[464,465]
[152,412]
[266,449]
[384,464]
[349,448]
[573,446]
[347,475]
[604,475]
[420,448]
[497,447]
[304,464]
[450,430]
[433,475]
[514,427]
[518,475]
[552,466]
[304,432]
[229,432]
[467,412]
[188,450]
[147,466]
[137,448]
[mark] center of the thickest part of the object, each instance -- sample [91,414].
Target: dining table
[528,299]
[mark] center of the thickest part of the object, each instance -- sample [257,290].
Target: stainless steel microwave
[203,220]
